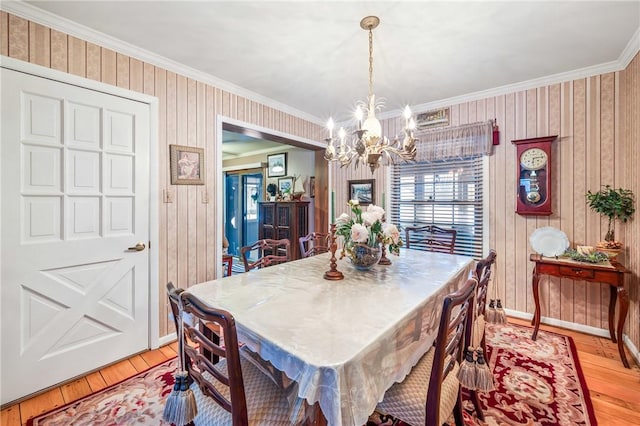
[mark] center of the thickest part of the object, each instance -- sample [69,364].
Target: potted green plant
[616,204]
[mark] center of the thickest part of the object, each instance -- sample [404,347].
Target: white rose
[359,233]
[376,210]
[354,202]
[343,219]
[369,218]
[391,231]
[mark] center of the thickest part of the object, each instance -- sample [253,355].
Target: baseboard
[169,338]
[578,327]
[635,353]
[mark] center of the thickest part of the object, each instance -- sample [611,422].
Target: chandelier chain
[370,62]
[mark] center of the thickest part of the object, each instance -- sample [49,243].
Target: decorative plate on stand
[549,241]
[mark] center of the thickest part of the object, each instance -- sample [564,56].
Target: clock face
[533,159]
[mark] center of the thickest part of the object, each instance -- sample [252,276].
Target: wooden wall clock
[533,170]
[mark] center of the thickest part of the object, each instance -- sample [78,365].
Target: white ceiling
[312,55]
[235,145]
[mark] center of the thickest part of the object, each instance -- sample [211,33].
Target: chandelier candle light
[369,145]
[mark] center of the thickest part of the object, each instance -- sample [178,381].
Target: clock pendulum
[533,195]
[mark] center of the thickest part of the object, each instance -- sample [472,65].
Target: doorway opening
[243,181]
[243,192]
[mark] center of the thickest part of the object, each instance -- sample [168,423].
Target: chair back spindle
[267,252]
[314,243]
[483,271]
[431,238]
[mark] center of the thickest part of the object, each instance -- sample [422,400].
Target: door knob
[137,247]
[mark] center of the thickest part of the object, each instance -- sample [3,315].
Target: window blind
[445,193]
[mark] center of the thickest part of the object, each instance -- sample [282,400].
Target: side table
[612,274]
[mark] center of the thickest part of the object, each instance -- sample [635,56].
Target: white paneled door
[75,225]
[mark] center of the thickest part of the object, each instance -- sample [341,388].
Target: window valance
[455,142]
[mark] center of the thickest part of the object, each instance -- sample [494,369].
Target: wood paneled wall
[630,179]
[188,111]
[596,118]
[597,121]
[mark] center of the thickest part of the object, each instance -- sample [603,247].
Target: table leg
[612,311]
[624,307]
[536,298]
[314,415]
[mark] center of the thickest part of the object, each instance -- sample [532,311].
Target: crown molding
[590,71]
[51,20]
[630,50]
[43,17]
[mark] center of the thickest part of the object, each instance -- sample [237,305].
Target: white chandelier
[369,145]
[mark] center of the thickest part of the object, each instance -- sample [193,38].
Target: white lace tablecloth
[344,342]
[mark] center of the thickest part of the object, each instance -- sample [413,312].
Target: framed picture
[285,184]
[437,118]
[277,165]
[187,165]
[312,187]
[362,190]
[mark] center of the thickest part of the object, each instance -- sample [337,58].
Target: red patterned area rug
[538,383]
[138,400]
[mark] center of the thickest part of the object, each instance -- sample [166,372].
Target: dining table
[342,343]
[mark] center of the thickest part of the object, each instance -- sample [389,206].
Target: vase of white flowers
[364,233]
[363,256]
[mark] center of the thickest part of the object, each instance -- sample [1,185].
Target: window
[445,193]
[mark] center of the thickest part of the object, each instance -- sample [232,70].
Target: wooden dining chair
[314,243]
[434,378]
[227,265]
[267,252]
[483,272]
[431,238]
[230,390]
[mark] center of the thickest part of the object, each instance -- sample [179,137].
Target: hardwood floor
[18,414]
[614,389]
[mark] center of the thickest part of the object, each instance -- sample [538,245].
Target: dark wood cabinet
[280,220]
